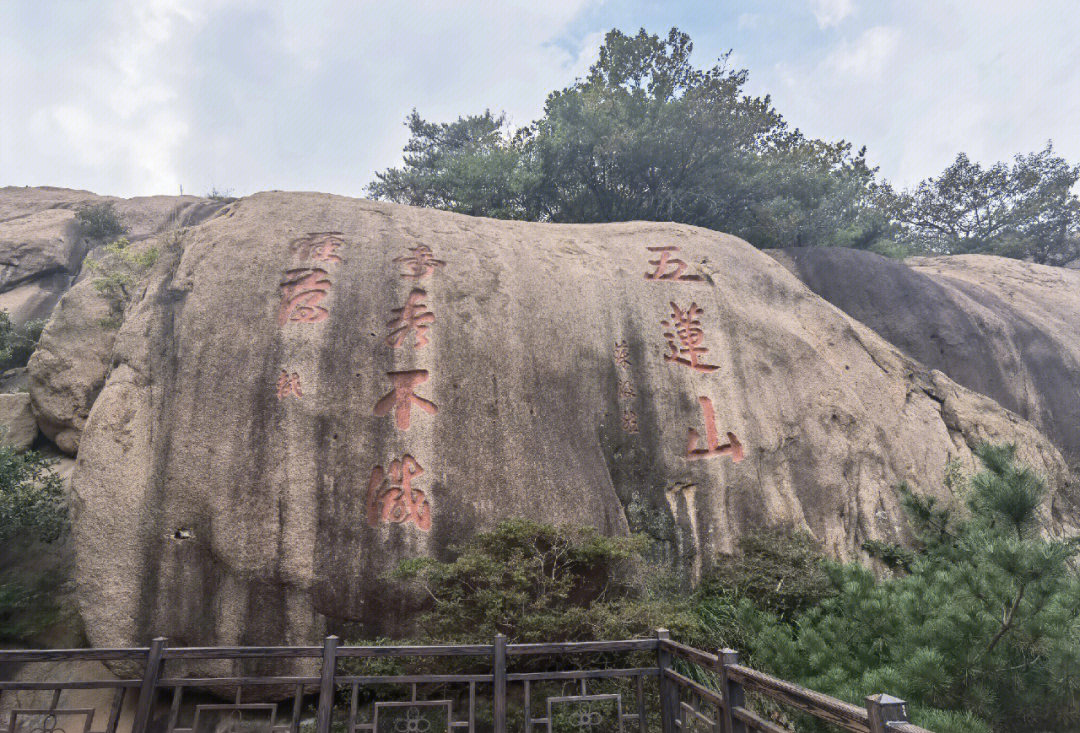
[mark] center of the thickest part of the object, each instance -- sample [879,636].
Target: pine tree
[979,633]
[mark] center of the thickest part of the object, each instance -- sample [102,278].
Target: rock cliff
[309,388]
[1002,327]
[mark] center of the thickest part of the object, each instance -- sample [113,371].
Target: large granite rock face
[312,388]
[42,246]
[1002,327]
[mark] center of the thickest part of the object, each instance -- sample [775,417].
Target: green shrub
[100,221]
[119,271]
[777,570]
[17,343]
[536,582]
[33,512]
[28,603]
[982,632]
[32,499]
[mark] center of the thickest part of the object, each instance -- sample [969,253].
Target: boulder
[312,388]
[37,245]
[18,428]
[42,246]
[1002,327]
[68,368]
[34,299]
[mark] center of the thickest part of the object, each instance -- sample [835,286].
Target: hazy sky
[143,96]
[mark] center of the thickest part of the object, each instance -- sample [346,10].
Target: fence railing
[662,686]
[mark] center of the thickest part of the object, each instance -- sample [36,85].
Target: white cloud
[918,83]
[868,56]
[831,12]
[142,96]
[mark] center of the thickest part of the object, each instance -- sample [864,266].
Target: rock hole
[183,534]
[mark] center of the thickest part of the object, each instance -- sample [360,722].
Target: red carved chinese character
[664,262]
[401,398]
[396,501]
[420,263]
[413,316]
[626,390]
[686,328]
[629,422]
[301,293]
[288,384]
[732,448]
[321,246]
[622,354]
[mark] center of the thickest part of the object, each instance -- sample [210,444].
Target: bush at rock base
[979,632]
[33,512]
[17,343]
[977,629]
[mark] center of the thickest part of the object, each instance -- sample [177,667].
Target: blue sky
[132,97]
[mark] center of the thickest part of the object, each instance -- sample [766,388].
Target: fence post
[148,689]
[326,685]
[732,691]
[669,694]
[499,680]
[884,709]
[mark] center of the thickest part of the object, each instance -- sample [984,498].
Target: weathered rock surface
[274,436]
[1002,327]
[68,368]
[42,243]
[18,428]
[42,246]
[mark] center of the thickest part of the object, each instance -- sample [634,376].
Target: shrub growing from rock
[100,221]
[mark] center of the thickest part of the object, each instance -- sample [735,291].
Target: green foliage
[645,135]
[100,221]
[119,271]
[32,499]
[28,603]
[33,511]
[536,582]
[17,343]
[777,570]
[1026,210]
[981,632]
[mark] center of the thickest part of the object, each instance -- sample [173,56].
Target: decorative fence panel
[631,686]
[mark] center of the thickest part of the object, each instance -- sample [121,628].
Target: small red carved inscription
[402,397]
[413,316]
[322,246]
[301,292]
[393,500]
[685,336]
[420,263]
[733,448]
[288,384]
[626,390]
[622,354]
[629,421]
[668,267]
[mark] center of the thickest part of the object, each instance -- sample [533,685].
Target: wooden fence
[672,687]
